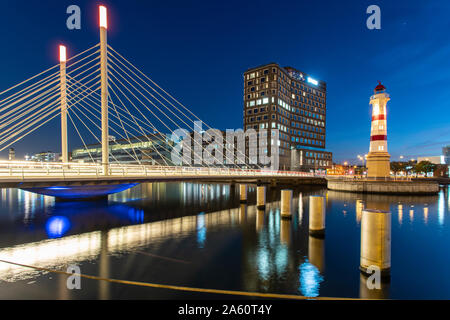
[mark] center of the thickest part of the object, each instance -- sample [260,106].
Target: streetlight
[361,158]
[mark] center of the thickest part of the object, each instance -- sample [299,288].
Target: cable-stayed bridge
[123,120]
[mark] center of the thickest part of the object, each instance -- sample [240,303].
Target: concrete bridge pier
[286,204]
[243,193]
[261,198]
[375,242]
[317,216]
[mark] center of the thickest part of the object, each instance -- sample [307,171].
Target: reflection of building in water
[411,215]
[366,293]
[300,208]
[201,230]
[186,194]
[18,202]
[425,215]
[400,203]
[276,255]
[310,279]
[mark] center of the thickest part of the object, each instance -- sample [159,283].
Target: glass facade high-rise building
[295,103]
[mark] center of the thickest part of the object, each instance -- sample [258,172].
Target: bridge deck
[49,174]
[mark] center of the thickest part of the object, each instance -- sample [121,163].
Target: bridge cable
[30,131]
[129,90]
[113,50]
[118,107]
[45,71]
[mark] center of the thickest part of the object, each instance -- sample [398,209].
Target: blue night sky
[198,51]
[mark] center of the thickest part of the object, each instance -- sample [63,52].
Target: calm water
[199,235]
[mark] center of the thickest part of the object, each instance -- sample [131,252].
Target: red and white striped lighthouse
[378,159]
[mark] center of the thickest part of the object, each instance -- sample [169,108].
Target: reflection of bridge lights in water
[310,280]
[359,209]
[425,214]
[201,230]
[281,259]
[136,215]
[57,227]
[400,213]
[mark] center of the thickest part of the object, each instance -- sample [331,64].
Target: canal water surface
[199,235]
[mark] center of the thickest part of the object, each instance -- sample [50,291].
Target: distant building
[446,154]
[295,103]
[441,171]
[46,156]
[337,170]
[153,149]
[12,154]
[432,159]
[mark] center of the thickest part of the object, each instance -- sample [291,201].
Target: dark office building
[295,103]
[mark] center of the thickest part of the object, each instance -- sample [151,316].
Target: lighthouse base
[378,165]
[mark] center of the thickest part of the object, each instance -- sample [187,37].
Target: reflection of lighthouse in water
[378,159]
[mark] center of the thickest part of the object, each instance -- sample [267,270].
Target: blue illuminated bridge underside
[81,192]
[85,188]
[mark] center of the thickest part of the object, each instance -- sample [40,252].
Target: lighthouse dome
[379,88]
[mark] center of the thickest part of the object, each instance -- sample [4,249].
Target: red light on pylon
[62,54]
[103,17]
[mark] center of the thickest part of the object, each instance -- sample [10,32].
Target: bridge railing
[44,170]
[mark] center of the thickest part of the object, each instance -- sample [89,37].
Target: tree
[425,167]
[396,167]
[399,167]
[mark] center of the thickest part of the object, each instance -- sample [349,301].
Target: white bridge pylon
[99,94]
